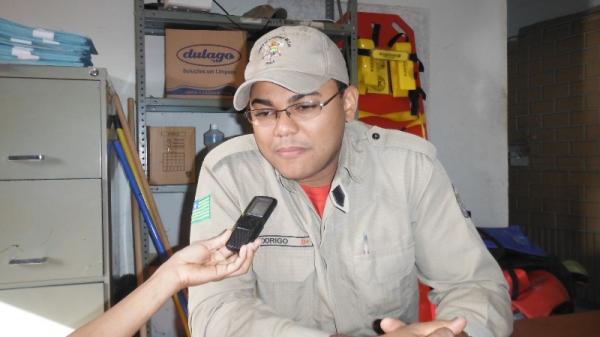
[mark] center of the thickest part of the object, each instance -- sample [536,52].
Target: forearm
[243,325]
[127,316]
[240,314]
[453,260]
[487,309]
[462,334]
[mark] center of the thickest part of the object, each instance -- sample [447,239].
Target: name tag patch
[286,241]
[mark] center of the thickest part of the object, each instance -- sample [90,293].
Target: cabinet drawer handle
[38,260]
[27,157]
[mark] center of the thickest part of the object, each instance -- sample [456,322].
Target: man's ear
[350,101]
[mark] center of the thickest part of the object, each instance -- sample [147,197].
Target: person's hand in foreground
[440,328]
[207,261]
[200,262]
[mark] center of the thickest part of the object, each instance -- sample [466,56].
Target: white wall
[466,84]
[109,23]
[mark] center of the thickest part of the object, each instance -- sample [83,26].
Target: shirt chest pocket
[285,280]
[385,280]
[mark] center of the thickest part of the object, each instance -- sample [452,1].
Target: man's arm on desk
[451,258]
[396,328]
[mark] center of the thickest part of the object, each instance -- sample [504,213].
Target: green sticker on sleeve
[201,210]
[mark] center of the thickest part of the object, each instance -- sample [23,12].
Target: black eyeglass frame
[248,111]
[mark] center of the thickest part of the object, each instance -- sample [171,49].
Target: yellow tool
[373,73]
[391,55]
[405,71]
[402,68]
[367,76]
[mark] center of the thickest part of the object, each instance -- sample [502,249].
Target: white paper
[15,40]
[43,34]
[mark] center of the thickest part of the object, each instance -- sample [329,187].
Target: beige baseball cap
[298,58]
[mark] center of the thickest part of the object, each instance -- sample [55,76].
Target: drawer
[49,311]
[56,119]
[51,231]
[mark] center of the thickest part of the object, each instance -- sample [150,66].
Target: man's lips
[290,151]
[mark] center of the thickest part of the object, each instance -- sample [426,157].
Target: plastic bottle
[213,136]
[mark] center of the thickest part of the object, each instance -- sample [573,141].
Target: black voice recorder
[251,222]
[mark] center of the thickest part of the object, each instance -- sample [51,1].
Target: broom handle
[145,187]
[135,219]
[179,298]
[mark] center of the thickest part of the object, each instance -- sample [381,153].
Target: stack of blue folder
[20,44]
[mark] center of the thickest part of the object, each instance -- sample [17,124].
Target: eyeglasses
[300,111]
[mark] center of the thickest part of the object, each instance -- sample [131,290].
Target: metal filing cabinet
[54,195]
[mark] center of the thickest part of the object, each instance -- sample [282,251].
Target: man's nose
[285,125]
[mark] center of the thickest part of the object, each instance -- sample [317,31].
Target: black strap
[364,52]
[414,95]
[395,39]
[413,57]
[375,34]
[414,102]
[514,294]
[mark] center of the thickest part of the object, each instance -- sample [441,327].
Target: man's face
[303,150]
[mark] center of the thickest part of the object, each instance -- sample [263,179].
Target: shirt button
[375,136]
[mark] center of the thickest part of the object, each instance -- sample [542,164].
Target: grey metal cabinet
[54,195]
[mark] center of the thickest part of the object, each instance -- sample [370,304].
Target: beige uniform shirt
[391,218]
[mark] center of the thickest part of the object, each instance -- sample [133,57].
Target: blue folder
[18,30]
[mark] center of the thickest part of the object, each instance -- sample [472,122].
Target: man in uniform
[363,213]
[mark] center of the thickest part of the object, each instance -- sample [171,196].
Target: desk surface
[573,325]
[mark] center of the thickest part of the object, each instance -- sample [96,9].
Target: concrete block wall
[554,122]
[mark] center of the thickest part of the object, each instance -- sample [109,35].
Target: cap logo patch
[271,49]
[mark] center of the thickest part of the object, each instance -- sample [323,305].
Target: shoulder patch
[400,139]
[201,210]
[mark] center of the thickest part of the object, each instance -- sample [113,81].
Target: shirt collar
[352,158]
[350,164]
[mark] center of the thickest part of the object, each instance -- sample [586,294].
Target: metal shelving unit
[170,188]
[154,21]
[154,104]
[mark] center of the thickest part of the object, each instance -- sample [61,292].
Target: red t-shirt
[318,196]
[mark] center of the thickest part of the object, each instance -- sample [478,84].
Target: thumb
[390,324]
[457,325]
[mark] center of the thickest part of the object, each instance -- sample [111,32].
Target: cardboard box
[204,63]
[204,5]
[172,155]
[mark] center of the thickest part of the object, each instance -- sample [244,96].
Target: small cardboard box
[172,155]
[204,63]
[203,5]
